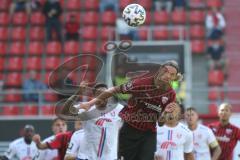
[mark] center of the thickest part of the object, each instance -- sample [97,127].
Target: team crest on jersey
[179,135]
[214,130]
[228,131]
[128,86]
[164,100]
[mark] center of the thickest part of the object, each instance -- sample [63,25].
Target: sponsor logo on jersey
[101,121]
[223,138]
[157,108]
[164,100]
[228,131]
[168,145]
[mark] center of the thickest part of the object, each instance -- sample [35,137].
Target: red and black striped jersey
[60,142]
[145,103]
[227,137]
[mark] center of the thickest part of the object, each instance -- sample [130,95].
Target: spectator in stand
[108,4]
[163,5]
[35,5]
[179,4]
[31,86]
[215,24]
[71,28]
[20,5]
[52,10]
[217,59]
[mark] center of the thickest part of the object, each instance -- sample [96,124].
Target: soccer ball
[134,15]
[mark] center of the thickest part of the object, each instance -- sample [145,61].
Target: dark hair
[173,64]
[99,85]
[191,109]
[56,119]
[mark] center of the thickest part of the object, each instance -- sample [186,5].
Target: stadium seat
[4,19]
[37,33]
[91,18]
[108,18]
[147,5]
[52,62]
[160,33]
[54,48]
[35,48]
[178,17]
[16,64]
[124,3]
[215,78]
[3,48]
[17,48]
[20,18]
[197,16]
[11,110]
[197,32]
[37,18]
[212,109]
[89,33]
[198,46]
[30,110]
[197,4]
[67,16]
[13,79]
[18,33]
[89,47]
[34,63]
[143,33]
[107,33]
[12,96]
[101,48]
[2,61]
[71,62]
[91,5]
[50,96]
[71,48]
[215,93]
[4,5]
[3,33]
[47,110]
[214,3]
[90,77]
[178,32]
[148,18]
[73,4]
[160,17]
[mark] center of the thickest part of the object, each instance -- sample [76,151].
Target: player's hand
[36,138]
[171,107]
[158,157]
[85,105]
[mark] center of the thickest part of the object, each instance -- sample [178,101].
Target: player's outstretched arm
[216,152]
[37,139]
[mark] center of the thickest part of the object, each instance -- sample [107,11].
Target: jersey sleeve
[212,141]
[130,86]
[11,152]
[238,134]
[73,145]
[188,146]
[56,142]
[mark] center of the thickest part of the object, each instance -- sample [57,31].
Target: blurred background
[36,36]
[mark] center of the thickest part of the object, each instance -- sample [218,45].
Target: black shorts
[135,144]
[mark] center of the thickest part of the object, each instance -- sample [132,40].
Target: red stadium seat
[12,96]
[108,18]
[37,33]
[71,62]
[124,3]
[30,110]
[89,33]
[17,48]
[47,110]
[67,16]
[73,4]
[91,5]
[4,19]
[52,62]
[197,32]
[91,18]
[15,64]
[3,33]
[71,48]
[197,16]
[35,48]
[215,93]
[18,33]
[178,32]
[143,33]
[4,5]
[212,109]
[2,61]
[3,48]
[14,79]
[148,18]
[101,48]
[161,17]
[89,47]
[107,33]
[51,96]
[54,48]
[11,110]
[179,17]
[37,18]
[198,4]
[20,18]
[34,63]
[198,46]
[160,33]
[215,78]
[147,5]
[214,3]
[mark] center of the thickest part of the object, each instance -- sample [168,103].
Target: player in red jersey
[150,96]
[226,133]
[60,142]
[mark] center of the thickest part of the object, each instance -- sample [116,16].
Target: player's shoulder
[78,132]
[203,127]
[184,128]
[234,127]
[49,138]
[214,124]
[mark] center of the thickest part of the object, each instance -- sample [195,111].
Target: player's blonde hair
[228,105]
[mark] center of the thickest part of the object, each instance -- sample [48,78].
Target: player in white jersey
[100,137]
[22,148]
[174,140]
[58,126]
[203,138]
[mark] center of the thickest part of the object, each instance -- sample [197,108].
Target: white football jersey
[203,138]
[50,154]
[173,142]
[21,151]
[101,136]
